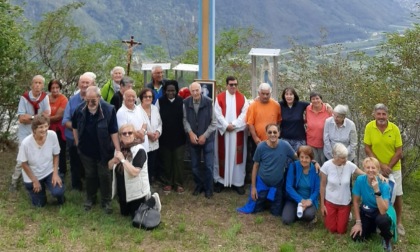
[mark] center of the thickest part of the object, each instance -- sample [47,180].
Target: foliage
[13,51]
[165,22]
[231,56]
[398,70]
[63,51]
[361,81]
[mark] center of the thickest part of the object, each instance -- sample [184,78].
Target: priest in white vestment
[230,146]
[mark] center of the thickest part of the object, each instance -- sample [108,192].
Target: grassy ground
[188,224]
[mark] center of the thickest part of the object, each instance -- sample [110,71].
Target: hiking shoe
[158,205]
[107,208]
[61,200]
[180,190]
[13,188]
[240,189]
[88,205]
[218,187]
[401,229]
[387,245]
[167,189]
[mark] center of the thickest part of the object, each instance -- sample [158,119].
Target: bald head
[195,89]
[130,98]
[85,80]
[130,92]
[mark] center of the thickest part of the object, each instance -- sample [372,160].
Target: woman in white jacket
[131,181]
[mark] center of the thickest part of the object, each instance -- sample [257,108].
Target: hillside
[169,22]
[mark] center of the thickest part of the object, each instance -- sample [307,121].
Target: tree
[64,53]
[398,68]
[13,51]
[231,55]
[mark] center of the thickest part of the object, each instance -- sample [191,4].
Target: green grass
[188,224]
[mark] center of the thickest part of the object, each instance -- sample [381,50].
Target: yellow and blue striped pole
[206,37]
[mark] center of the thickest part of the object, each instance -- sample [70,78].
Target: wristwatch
[122,161]
[378,194]
[32,117]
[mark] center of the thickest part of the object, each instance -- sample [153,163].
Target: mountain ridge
[169,22]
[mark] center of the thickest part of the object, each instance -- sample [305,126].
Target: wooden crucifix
[131,44]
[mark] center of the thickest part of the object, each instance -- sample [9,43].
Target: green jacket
[107,91]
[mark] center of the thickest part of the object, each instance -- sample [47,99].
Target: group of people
[292,187]
[111,137]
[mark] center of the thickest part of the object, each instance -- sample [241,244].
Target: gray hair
[339,150]
[126,80]
[93,89]
[91,75]
[118,68]
[156,67]
[88,75]
[341,109]
[380,106]
[39,76]
[264,86]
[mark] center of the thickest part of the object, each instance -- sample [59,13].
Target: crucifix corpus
[131,44]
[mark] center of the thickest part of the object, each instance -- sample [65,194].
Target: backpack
[146,217]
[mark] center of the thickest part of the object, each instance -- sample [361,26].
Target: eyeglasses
[232,85]
[128,133]
[147,97]
[93,101]
[272,132]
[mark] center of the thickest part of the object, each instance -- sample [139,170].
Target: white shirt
[337,190]
[136,116]
[39,158]
[26,108]
[154,123]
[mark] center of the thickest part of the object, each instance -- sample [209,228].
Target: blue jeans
[295,143]
[203,178]
[39,199]
[276,205]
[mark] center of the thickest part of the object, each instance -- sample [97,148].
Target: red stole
[240,101]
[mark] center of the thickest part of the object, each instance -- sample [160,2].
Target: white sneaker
[401,229]
[157,206]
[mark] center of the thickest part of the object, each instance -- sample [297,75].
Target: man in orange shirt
[262,112]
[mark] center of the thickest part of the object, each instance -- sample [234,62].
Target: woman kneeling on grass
[371,206]
[39,156]
[131,180]
[336,175]
[302,188]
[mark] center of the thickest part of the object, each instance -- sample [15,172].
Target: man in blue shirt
[270,160]
[76,167]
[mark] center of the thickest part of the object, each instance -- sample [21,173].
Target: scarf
[128,155]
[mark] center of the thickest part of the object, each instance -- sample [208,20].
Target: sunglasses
[272,132]
[233,85]
[128,133]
